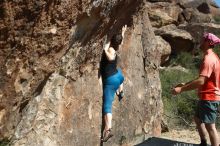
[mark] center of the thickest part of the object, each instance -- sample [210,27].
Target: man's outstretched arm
[194,84]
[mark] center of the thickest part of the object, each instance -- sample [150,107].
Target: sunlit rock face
[49,62]
[50,94]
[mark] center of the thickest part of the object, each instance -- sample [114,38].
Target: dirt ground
[184,135]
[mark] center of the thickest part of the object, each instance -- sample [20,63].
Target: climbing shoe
[106,135]
[120,95]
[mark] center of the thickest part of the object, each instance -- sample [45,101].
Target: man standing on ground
[208,85]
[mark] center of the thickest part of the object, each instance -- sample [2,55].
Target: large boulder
[159,18]
[182,11]
[198,11]
[165,49]
[214,9]
[179,40]
[197,29]
[192,15]
[213,3]
[50,94]
[164,13]
[193,3]
[160,1]
[204,8]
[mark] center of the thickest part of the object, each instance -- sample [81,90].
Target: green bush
[217,19]
[4,143]
[182,105]
[184,59]
[217,50]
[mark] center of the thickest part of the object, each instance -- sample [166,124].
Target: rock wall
[50,94]
[49,61]
[182,23]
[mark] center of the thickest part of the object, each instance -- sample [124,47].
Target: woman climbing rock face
[112,80]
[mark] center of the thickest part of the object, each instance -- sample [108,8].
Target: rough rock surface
[159,18]
[194,16]
[204,8]
[160,0]
[198,11]
[180,40]
[164,48]
[49,61]
[163,13]
[195,3]
[197,29]
[214,9]
[50,94]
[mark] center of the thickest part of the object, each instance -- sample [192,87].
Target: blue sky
[218,2]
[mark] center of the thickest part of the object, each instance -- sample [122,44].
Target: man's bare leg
[213,134]
[201,129]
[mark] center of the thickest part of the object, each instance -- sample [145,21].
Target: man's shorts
[206,111]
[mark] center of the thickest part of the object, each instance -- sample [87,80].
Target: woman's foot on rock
[107,135]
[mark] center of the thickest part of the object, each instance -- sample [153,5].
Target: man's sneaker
[203,143]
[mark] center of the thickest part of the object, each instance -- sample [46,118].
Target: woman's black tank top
[108,68]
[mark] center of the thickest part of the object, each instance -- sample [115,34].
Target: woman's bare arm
[124,28]
[106,44]
[109,51]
